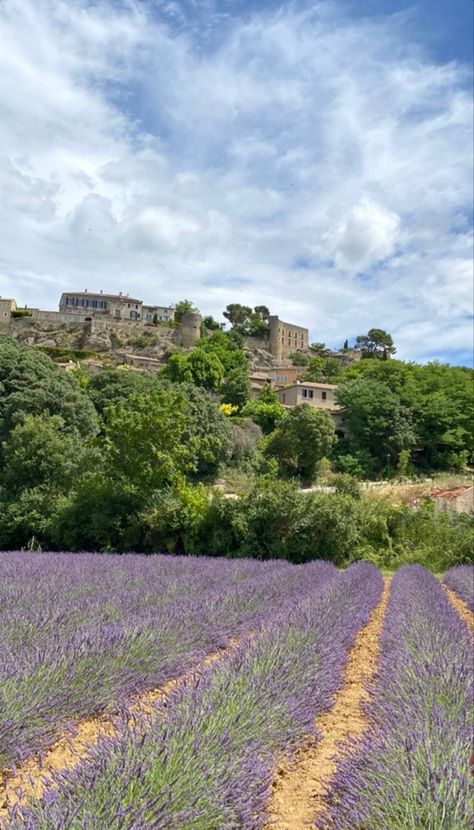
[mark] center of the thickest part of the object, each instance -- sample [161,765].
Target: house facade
[119,306]
[317,395]
[163,314]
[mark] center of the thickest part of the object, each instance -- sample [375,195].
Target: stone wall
[286,338]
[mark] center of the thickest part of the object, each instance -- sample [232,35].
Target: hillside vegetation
[120,461]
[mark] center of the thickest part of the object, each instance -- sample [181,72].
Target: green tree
[113,385]
[440,399]
[199,367]
[267,414]
[227,347]
[184,307]
[210,324]
[143,441]
[30,383]
[305,437]
[42,463]
[39,450]
[267,394]
[319,349]
[207,430]
[237,314]
[315,370]
[378,424]
[300,359]
[236,388]
[332,370]
[376,343]
[249,322]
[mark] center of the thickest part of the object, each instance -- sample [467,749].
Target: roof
[439,493]
[124,297]
[153,305]
[311,385]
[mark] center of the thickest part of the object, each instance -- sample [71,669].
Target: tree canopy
[376,343]
[301,440]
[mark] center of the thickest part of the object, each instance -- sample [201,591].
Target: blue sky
[315,157]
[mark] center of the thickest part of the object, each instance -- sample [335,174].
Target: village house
[119,306]
[317,395]
[276,376]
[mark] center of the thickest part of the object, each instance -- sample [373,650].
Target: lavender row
[206,761]
[411,769]
[81,633]
[460,579]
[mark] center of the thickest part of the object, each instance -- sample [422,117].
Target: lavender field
[89,634]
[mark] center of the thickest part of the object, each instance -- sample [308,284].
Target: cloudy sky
[315,157]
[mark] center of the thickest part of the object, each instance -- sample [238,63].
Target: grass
[402,492]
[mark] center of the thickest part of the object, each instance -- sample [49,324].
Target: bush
[347,484]
[301,441]
[245,438]
[276,521]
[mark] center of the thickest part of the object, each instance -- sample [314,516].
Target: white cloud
[315,163]
[366,236]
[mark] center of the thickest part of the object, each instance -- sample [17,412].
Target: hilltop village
[119,330]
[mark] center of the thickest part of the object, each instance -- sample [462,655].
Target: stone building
[6,308]
[457,500]
[276,376]
[317,395]
[162,314]
[285,338]
[119,306]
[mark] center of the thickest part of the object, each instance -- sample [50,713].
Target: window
[304,393]
[286,378]
[323,396]
[284,397]
[310,393]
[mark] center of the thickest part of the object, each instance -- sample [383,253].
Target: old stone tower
[190,329]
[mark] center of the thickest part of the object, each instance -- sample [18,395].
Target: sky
[315,157]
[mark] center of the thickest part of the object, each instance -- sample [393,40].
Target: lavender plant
[205,761]
[411,769]
[81,633]
[461,580]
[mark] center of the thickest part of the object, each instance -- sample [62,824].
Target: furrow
[461,607]
[300,784]
[31,779]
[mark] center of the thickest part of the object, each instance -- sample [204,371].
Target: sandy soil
[70,749]
[461,608]
[300,784]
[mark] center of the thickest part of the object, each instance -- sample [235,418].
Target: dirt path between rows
[70,749]
[466,615]
[299,786]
